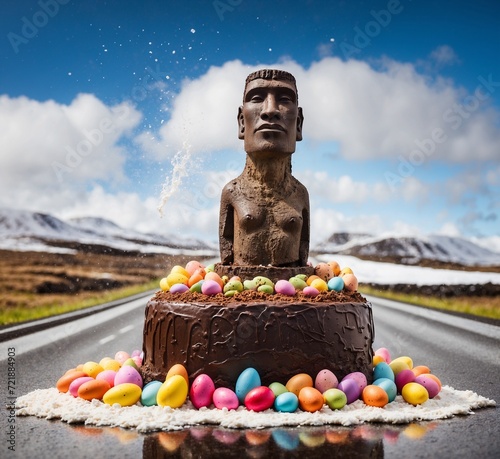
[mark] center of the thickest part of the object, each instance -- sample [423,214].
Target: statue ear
[241,123]
[300,121]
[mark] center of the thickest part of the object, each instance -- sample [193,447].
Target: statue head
[270,119]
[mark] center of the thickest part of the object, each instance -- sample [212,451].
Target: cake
[264,228]
[278,335]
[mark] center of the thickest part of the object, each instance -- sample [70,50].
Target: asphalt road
[463,353]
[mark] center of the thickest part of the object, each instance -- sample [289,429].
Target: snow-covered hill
[411,250]
[24,230]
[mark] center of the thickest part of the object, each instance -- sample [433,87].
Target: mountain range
[411,249]
[23,230]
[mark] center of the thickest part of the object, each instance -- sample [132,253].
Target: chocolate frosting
[278,338]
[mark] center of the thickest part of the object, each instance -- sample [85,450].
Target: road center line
[107,339]
[126,329]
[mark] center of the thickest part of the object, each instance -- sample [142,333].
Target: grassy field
[37,284]
[483,306]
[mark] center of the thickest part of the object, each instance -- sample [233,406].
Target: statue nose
[270,108]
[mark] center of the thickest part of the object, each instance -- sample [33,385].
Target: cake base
[277,335]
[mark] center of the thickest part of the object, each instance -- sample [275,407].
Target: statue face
[269,119]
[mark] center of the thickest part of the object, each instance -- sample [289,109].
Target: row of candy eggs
[125,386]
[197,278]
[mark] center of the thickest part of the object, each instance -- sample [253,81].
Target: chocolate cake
[278,335]
[263,231]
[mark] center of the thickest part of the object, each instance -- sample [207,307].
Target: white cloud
[381,112]
[50,151]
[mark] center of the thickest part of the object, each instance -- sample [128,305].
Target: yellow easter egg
[92,369]
[320,285]
[310,279]
[397,366]
[345,270]
[177,278]
[177,269]
[406,359]
[112,364]
[414,393]
[126,394]
[103,361]
[173,392]
[377,359]
[164,285]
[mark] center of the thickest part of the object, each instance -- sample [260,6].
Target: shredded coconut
[51,404]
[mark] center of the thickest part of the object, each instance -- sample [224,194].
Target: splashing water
[172,184]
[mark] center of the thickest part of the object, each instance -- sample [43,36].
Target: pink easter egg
[225,398]
[202,391]
[128,374]
[404,377]
[285,288]
[108,376]
[75,385]
[211,287]
[136,352]
[259,399]
[121,356]
[179,288]
[310,291]
[430,384]
[384,353]
[325,380]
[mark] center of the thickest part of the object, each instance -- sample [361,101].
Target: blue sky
[103,104]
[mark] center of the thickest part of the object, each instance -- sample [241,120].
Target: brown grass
[39,284]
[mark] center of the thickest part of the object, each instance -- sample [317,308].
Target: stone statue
[264,214]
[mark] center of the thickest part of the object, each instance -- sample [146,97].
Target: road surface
[463,352]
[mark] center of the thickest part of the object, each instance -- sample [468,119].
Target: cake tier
[278,338]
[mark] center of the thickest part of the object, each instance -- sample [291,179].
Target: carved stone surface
[264,214]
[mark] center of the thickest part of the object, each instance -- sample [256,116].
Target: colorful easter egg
[323,271]
[298,283]
[94,389]
[210,287]
[325,380]
[284,287]
[310,291]
[335,267]
[247,380]
[76,383]
[150,392]
[320,285]
[112,364]
[403,378]
[173,392]
[335,399]
[108,376]
[350,282]
[351,389]
[178,369]
[359,377]
[201,391]
[126,394]
[405,359]
[415,393]
[389,386]
[92,369]
[286,402]
[310,399]
[383,370]
[430,384]
[128,374]
[259,399]
[193,266]
[66,379]
[384,353]
[121,356]
[278,388]
[297,382]
[179,288]
[373,395]
[421,370]
[336,284]
[225,398]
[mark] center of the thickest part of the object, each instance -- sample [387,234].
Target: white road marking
[107,339]
[126,329]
